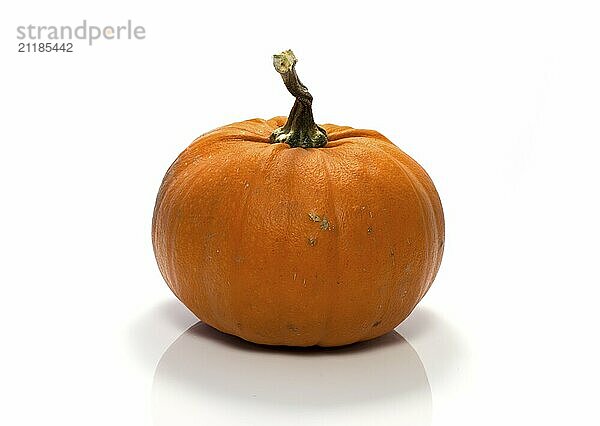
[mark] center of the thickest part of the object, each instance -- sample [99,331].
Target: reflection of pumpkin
[198,378]
[298,235]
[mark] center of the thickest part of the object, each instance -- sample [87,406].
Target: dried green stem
[300,129]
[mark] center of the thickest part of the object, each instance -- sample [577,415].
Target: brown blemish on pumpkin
[293,328]
[369,230]
[314,217]
[312,241]
[325,224]
[393,256]
[376,323]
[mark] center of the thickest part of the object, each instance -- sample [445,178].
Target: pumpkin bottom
[303,330]
[271,341]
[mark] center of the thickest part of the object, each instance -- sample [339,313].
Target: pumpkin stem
[300,129]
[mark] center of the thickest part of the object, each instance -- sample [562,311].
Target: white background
[499,101]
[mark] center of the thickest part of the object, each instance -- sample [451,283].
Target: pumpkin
[283,232]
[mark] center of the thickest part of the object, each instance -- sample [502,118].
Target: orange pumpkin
[283,232]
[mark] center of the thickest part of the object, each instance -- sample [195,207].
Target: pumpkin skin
[293,246]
